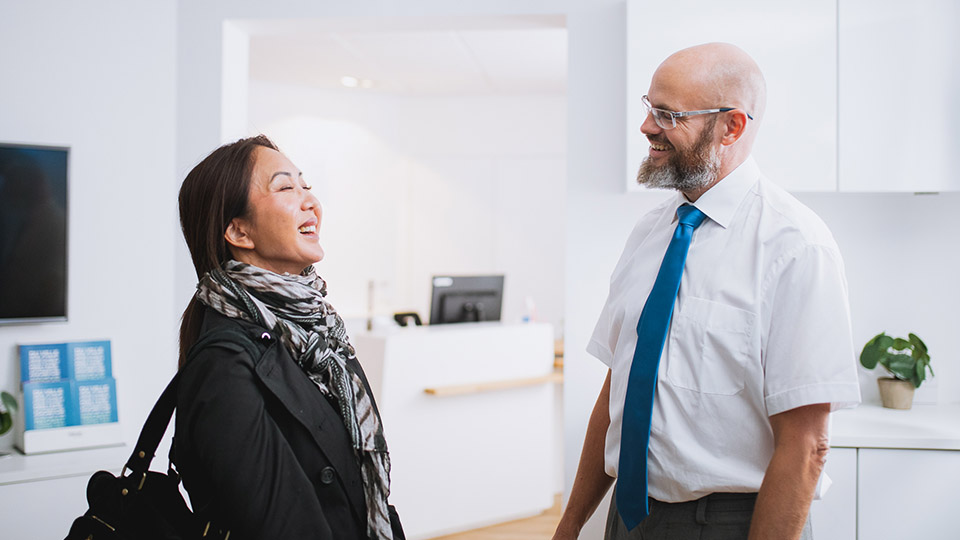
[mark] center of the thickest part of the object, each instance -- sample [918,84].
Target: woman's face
[279,232]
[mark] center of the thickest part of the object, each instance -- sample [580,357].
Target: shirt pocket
[710,347]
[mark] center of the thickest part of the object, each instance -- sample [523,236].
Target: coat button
[326,475]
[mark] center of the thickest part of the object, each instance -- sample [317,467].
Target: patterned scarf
[294,307]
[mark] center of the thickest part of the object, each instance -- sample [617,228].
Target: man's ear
[734,127]
[236,234]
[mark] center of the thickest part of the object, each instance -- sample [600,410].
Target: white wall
[414,187]
[902,257]
[99,77]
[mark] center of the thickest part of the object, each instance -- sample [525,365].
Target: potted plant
[906,359]
[8,407]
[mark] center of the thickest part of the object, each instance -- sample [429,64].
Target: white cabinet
[862,95]
[899,95]
[795,44]
[43,509]
[835,516]
[41,495]
[908,494]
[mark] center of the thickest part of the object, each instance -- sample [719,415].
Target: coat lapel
[301,397]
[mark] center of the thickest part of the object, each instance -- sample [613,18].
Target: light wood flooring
[535,528]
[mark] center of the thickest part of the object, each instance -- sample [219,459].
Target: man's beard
[687,170]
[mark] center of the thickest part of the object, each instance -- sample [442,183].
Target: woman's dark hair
[213,193]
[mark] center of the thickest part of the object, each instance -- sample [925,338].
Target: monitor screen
[459,299]
[33,233]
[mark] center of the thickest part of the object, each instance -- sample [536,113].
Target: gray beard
[690,170]
[674,176]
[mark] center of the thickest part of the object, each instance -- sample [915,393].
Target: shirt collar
[721,201]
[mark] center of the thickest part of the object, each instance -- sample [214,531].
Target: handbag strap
[154,428]
[159,418]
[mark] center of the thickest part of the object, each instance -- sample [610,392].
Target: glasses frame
[673,115]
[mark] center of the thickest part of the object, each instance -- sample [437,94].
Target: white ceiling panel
[465,60]
[521,61]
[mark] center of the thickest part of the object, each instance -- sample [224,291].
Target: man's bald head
[717,75]
[699,151]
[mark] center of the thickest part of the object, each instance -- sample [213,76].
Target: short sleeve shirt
[761,325]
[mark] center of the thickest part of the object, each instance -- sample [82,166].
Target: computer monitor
[459,299]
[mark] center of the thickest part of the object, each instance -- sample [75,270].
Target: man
[723,367]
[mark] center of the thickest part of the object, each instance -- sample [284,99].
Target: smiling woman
[278,232]
[277,433]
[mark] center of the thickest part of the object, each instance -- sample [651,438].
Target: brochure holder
[68,396]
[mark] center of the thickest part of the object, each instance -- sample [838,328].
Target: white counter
[17,468]
[468,413]
[929,427]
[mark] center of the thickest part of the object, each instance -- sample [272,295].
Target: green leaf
[902,366]
[6,422]
[874,350]
[883,341]
[870,356]
[920,375]
[917,342]
[9,402]
[900,344]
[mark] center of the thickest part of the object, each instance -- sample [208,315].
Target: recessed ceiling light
[349,82]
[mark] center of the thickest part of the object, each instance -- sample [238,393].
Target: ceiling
[409,56]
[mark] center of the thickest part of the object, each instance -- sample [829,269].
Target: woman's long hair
[213,193]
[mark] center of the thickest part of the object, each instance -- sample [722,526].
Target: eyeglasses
[668,119]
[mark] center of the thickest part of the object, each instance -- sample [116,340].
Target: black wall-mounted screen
[33,233]
[459,299]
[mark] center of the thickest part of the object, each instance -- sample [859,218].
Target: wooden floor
[536,528]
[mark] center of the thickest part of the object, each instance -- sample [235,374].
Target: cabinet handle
[476,388]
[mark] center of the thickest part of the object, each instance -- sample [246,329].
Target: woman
[277,433]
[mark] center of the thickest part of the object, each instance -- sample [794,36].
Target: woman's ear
[236,234]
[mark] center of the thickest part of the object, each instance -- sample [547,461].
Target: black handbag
[141,504]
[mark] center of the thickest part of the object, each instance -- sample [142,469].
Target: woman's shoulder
[225,342]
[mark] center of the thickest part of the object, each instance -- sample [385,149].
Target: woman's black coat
[259,448]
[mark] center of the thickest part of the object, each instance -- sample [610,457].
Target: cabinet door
[795,44]
[899,99]
[908,494]
[835,515]
[41,509]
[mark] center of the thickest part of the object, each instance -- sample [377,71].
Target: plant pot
[895,394]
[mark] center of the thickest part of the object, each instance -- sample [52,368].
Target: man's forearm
[791,478]
[591,482]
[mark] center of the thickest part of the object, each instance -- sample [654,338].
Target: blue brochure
[43,363]
[96,401]
[48,405]
[89,361]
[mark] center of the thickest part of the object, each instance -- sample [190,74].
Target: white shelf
[930,427]
[17,468]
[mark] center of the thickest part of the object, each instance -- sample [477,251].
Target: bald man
[756,350]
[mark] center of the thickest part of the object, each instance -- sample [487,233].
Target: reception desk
[469,415]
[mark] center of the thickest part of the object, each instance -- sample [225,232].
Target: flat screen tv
[33,233]
[458,299]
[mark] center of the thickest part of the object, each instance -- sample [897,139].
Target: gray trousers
[719,516]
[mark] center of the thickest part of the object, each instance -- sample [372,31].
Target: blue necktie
[638,405]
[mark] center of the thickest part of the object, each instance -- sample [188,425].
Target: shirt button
[327,475]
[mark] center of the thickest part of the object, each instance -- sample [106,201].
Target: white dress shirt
[761,326]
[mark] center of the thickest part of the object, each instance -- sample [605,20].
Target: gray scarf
[295,309]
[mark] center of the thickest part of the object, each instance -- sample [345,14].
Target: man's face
[684,158]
